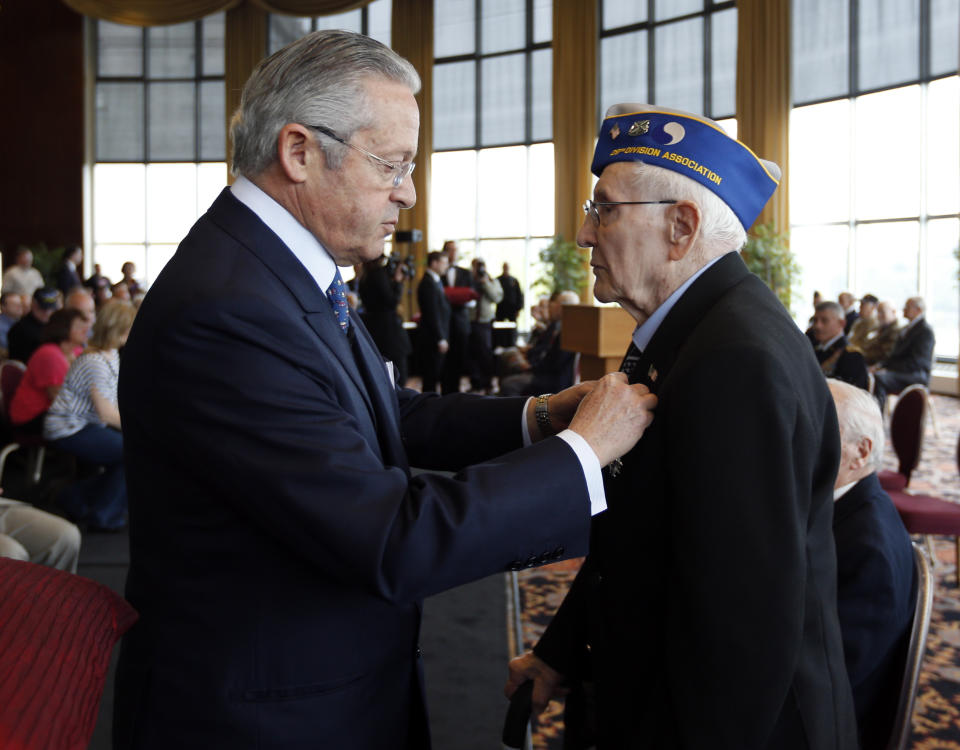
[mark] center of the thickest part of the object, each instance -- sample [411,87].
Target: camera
[407,264]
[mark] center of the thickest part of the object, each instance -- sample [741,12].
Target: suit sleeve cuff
[591,469]
[523,424]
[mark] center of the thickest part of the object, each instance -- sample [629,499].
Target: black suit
[434,327]
[456,363]
[840,362]
[279,548]
[708,600]
[876,587]
[910,361]
[851,318]
[381,295]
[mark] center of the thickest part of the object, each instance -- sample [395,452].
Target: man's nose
[587,236]
[405,193]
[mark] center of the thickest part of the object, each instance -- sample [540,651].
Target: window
[874,158]
[159,143]
[492,168]
[372,20]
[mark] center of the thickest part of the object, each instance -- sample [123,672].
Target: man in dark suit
[433,331]
[456,363]
[279,547]
[912,357]
[836,358]
[511,304]
[68,275]
[876,580]
[706,615]
[851,316]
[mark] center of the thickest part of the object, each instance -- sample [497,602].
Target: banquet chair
[11,373]
[906,434]
[923,609]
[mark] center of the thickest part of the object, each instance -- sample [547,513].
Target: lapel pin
[652,374]
[639,127]
[614,131]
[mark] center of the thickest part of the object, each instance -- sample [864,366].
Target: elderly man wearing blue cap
[705,614]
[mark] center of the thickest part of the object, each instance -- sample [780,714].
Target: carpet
[936,719]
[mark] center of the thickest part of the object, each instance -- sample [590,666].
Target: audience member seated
[836,358]
[11,310]
[881,340]
[912,357]
[548,368]
[120,291]
[32,535]
[128,269]
[22,278]
[82,300]
[68,275]
[876,582]
[84,421]
[817,299]
[66,335]
[866,324]
[97,281]
[26,335]
[848,303]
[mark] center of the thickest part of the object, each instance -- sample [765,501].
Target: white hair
[859,416]
[317,80]
[720,229]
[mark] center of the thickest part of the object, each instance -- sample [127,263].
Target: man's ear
[293,151]
[864,449]
[683,227]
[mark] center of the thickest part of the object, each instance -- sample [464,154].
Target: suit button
[418,652]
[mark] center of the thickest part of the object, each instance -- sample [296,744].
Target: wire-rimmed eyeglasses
[398,170]
[590,207]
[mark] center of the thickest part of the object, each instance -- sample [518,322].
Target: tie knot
[337,295]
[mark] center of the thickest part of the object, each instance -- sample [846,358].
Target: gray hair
[859,416]
[720,229]
[316,80]
[833,307]
[919,303]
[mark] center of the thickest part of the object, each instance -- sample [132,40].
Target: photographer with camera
[381,289]
[482,364]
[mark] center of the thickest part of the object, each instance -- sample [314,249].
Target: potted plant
[564,267]
[767,254]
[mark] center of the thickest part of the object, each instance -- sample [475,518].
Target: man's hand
[564,405]
[613,416]
[546,680]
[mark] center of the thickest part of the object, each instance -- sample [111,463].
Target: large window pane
[540,194]
[171,130]
[889,42]
[454,100]
[504,25]
[821,253]
[502,192]
[678,48]
[723,41]
[542,21]
[172,201]
[623,69]
[887,259]
[119,200]
[453,195]
[943,146]
[944,23]
[171,51]
[119,50]
[454,27]
[157,257]
[617,13]
[211,179]
[941,293]
[820,37]
[213,44]
[541,63]
[286,29]
[352,20]
[119,122]
[887,179]
[379,20]
[111,258]
[212,118]
[503,97]
[664,9]
[820,166]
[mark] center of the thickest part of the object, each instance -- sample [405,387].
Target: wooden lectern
[600,334]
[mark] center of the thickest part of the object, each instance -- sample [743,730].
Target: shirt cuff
[523,424]
[591,469]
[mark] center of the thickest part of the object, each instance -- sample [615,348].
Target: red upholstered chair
[11,372]
[56,634]
[906,434]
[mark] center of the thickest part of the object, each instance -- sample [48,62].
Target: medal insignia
[614,131]
[652,374]
[640,127]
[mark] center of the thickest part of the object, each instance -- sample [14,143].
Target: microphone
[518,717]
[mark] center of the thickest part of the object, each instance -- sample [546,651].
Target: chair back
[11,372]
[923,609]
[906,427]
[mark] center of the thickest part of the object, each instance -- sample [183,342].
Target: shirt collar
[305,247]
[841,491]
[831,342]
[644,332]
[433,274]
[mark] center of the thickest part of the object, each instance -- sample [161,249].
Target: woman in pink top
[66,334]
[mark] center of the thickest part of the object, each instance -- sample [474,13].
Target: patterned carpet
[937,714]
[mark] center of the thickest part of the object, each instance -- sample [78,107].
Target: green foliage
[767,254]
[47,260]
[564,267]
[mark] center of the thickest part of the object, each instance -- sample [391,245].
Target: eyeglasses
[590,208]
[398,170]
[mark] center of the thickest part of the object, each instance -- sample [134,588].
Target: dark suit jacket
[843,363]
[67,280]
[279,547]
[876,588]
[434,322]
[512,303]
[459,314]
[708,600]
[381,295]
[851,318]
[912,355]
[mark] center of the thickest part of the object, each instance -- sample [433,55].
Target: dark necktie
[337,295]
[630,361]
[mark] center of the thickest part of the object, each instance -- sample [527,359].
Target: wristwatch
[541,410]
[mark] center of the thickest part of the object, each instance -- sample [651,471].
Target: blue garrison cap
[693,146]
